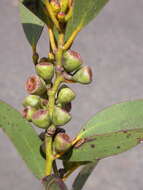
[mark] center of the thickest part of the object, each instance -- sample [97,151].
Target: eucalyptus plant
[49,101]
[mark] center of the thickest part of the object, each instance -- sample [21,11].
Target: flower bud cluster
[37,103]
[62,9]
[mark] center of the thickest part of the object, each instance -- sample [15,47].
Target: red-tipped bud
[62,142]
[35,85]
[41,119]
[60,116]
[83,76]
[72,61]
[45,70]
[66,95]
[61,16]
[32,101]
[28,112]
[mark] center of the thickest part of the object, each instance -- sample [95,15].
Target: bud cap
[41,119]
[32,100]
[35,85]
[71,61]
[45,70]
[83,76]
[61,16]
[66,95]
[62,142]
[60,116]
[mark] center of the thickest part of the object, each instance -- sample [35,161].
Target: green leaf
[32,24]
[112,131]
[122,116]
[83,12]
[69,166]
[83,175]
[24,137]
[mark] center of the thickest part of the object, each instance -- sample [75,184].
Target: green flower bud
[41,119]
[83,76]
[66,95]
[61,16]
[71,61]
[35,85]
[62,142]
[60,116]
[55,6]
[28,112]
[45,70]
[32,100]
